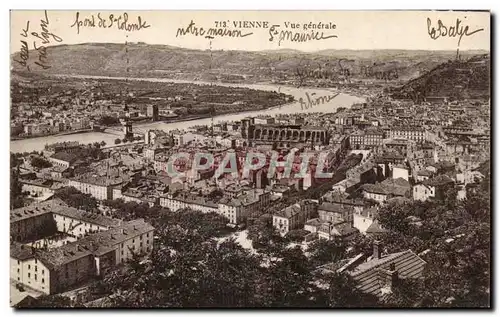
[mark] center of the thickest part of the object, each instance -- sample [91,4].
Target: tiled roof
[438,181]
[424,173]
[289,211]
[60,208]
[333,207]
[94,244]
[57,206]
[65,156]
[375,228]
[367,274]
[20,252]
[344,229]
[315,222]
[397,187]
[32,210]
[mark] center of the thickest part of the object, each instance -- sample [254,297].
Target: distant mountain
[140,59]
[455,79]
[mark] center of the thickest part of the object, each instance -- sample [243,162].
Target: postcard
[250,159]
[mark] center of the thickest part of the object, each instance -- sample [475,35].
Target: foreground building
[379,273]
[58,269]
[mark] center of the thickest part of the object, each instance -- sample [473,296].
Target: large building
[102,243]
[282,135]
[416,134]
[99,187]
[361,140]
[235,209]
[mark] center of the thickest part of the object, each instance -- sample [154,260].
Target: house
[432,188]
[343,230]
[335,212]
[424,174]
[63,159]
[400,171]
[363,219]
[389,188]
[379,273]
[293,217]
[375,229]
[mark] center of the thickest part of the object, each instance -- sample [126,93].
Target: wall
[31,273]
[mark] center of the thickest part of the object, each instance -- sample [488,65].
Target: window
[18,278]
[29,267]
[17,270]
[43,272]
[36,268]
[18,262]
[29,275]
[36,262]
[43,280]
[35,277]
[133,240]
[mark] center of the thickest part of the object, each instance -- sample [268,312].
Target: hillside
[456,79]
[139,59]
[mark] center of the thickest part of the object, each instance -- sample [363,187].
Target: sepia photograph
[250,159]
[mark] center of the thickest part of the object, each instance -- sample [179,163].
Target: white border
[203,5]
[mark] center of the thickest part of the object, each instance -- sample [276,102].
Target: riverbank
[342,100]
[53,134]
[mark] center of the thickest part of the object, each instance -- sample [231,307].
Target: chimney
[377,250]
[394,274]
[389,278]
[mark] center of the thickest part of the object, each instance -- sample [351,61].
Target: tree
[118,141]
[264,235]
[394,216]
[297,235]
[324,251]
[39,162]
[16,197]
[74,198]
[108,120]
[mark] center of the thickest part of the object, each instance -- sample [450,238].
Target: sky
[356,30]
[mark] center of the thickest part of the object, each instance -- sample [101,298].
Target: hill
[140,59]
[455,79]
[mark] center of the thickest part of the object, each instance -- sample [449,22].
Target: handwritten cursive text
[450,31]
[121,22]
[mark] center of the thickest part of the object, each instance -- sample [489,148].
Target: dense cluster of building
[406,152]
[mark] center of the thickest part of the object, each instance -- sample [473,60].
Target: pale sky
[354,29]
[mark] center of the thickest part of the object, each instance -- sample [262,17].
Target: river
[342,100]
